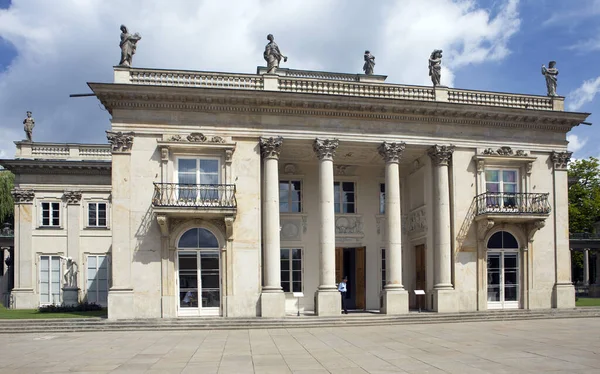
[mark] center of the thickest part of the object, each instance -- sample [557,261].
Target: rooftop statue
[435,67]
[273,55]
[29,123]
[551,77]
[369,63]
[128,45]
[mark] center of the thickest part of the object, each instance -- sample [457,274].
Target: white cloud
[583,94]
[575,143]
[63,44]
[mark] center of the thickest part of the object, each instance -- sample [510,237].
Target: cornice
[24,166]
[135,97]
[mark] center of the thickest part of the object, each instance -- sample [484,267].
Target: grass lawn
[588,301]
[34,314]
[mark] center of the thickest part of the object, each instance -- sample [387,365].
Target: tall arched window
[503,271]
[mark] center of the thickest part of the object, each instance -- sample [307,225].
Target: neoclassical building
[242,195]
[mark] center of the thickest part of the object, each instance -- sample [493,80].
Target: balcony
[519,206]
[185,199]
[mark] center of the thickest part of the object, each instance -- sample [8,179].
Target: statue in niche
[29,124]
[369,65]
[435,67]
[551,74]
[273,55]
[70,274]
[128,46]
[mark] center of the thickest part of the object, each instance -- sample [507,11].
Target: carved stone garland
[391,152]
[441,154]
[72,197]
[271,147]
[325,148]
[121,142]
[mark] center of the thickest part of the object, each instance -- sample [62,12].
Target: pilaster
[24,263]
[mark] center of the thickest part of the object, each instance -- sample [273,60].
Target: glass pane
[284,206]
[493,262]
[187,165]
[44,262]
[297,254]
[207,240]
[296,207]
[296,276]
[493,293]
[297,287]
[297,265]
[285,265]
[92,273]
[492,176]
[349,208]
[211,298]
[92,215]
[92,261]
[285,286]
[187,178]
[102,274]
[510,293]
[209,166]
[102,285]
[511,278]
[209,179]
[509,187]
[336,207]
[210,279]
[285,254]
[188,298]
[189,239]
[348,186]
[510,261]
[492,187]
[509,176]
[283,195]
[285,276]
[209,261]
[103,261]
[495,241]
[349,197]
[188,261]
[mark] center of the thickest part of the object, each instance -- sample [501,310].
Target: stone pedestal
[328,303]
[120,304]
[444,301]
[563,296]
[24,298]
[70,296]
[395,302]
[272,304]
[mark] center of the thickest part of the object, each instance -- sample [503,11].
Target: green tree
[584,194]
[7,206]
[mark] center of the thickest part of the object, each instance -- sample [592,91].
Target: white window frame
[290,202]
[87,271]
[50,213]
[96,202]
[58,299]
[354,191]
[198,159]
[291,271]
[502,201]
[381,198]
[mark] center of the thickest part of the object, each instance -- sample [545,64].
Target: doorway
[350,262]
[503,291]
[420,277]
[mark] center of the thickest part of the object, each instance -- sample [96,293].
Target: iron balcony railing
[512,203]
[213,196]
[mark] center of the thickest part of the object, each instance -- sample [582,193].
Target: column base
[272,304]
[70,296]
[328,303]
[120,304]
[444,301]
[24,298]
[563,296]
[169,307]
[594,290]
[395,302]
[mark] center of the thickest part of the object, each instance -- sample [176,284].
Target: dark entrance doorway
[350,262]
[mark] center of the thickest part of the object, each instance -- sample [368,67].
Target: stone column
[395,297]
[70,294]
[24,260]
[272,299]
[444,295]
[327,299]
[563,295]
[120,295]
[586,266]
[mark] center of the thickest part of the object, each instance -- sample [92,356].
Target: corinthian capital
[22,195]
[441,154]
[391,152]
[325,148]
[271,147]
[560,159]
[120,141]
[72,197]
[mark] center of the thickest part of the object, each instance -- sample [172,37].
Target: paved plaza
[535,346]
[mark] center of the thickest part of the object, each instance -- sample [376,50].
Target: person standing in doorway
[342,289]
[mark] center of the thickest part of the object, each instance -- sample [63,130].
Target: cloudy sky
[51,48]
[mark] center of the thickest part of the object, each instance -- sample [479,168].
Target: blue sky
[50,49]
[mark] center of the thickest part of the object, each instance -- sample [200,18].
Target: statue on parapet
[29,124]
[128,46]
[551,74]
[70,274]
[435,67]
[273,55]
[369,65]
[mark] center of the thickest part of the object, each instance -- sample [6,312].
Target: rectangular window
[50,214]
[97,279]
[291,269]
[50,280]
[344,197]
[501,186]
[97,215]
[290,196]
[198,179]
[381,198]
[383,272]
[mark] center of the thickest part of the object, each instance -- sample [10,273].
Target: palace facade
[242,195]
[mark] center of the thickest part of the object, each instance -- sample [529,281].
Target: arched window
[502,240]
[198,238]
